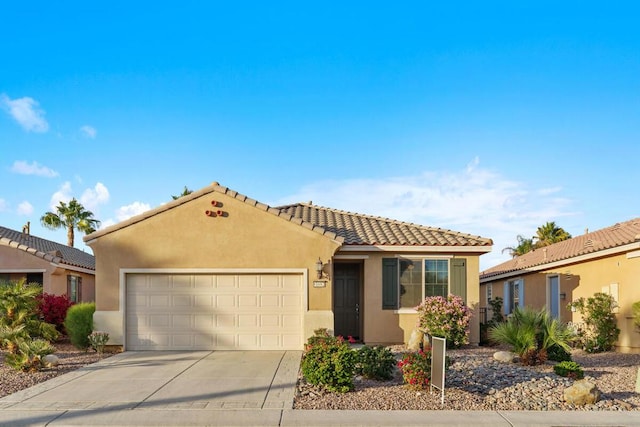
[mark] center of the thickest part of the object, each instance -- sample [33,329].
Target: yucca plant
[531,333]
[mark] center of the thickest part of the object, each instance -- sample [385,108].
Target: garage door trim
[125,271]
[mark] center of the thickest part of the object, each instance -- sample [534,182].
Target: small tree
[71,216]
[601,330]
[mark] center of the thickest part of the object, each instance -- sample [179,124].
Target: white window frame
[489,292]
[422,283]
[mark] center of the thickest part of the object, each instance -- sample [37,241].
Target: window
[74,288]
[489,292]
[513,295]
[421,278]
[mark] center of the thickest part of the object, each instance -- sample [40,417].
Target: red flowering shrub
[53,309]
[416,369]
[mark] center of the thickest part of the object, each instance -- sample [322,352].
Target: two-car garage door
[214,311]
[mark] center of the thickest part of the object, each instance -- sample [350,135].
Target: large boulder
[50,360]
[415,340]
[504,356]
[582,392]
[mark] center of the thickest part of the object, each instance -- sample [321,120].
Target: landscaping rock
[504,356]
[50,360]
[415,340]
[582,392]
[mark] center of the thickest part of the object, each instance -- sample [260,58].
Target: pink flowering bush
[445,317]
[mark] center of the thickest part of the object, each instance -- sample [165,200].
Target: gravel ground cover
[71,359]
[477,382]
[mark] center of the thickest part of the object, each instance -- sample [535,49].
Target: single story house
[60,269]
[218,270]
[606,260]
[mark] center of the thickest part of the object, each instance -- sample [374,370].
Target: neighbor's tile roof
[620,234]
[46,249]
[358,229]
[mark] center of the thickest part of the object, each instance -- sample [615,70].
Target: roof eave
[561,263]
[415,248]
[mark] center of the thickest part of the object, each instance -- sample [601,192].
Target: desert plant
[79,324]
[601,331]
[375,362]
[531,333]
[569,369]
[98,340]
[635,312]
[29,354]
[558,354]
[328,361]
[445,317]
[53,309]
[19,318]
[416,369]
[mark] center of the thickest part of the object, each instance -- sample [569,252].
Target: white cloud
[474,200]
[24,168]
[26,112]
[3,205]
[25,208]
[92,197]
[62,195]
[107,223]
[135,208]
[89,131]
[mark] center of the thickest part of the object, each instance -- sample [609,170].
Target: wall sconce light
[563,295]
[320,269]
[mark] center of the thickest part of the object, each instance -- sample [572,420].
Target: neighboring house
[217,270]
[606,260]
[60,269]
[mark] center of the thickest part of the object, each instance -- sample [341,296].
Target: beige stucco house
[606,260]
[218,270]
[60,269]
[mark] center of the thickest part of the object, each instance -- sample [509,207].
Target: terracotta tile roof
[46,249]
[345,227]
[358,229]
[620,234]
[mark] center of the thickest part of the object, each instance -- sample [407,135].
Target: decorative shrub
[445,317]
[328,361]
[53,309]
[531,333]
[29,354]
[375,363]
[635,312]
[416,369]
[558,354]
[19,318]
[601,331]
[98,340]
[496,318]
[569,369]
[79,324]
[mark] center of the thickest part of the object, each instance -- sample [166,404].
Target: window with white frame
[489,291]
[74,288]
[421,278]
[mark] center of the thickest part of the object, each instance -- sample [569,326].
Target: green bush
[531,333]
[601,331]
[29,354]
[569,369]
[416,368]
[98,340]
[328,361]
[446,318]
[376,363]
[79,324]
[635,312]
[558,354]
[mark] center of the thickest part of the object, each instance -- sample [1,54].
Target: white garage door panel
[214,312]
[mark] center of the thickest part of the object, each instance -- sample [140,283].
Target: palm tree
[185,192]
[72,216]
[549,234]
[524,245]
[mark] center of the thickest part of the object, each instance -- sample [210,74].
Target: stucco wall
[54,278]
[583,280]
[184,237]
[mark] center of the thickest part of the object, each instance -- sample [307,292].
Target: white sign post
[438,355]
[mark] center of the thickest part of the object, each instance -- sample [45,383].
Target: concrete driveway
[136,382]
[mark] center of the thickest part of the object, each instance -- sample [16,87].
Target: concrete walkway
[227,389]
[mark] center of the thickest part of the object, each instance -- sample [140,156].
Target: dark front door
[346,300]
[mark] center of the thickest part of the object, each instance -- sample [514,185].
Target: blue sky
[484,117]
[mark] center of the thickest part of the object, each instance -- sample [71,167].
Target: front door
[346,300]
